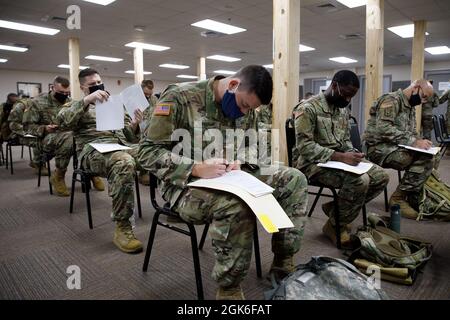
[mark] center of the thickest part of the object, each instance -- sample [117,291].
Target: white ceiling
[106,29]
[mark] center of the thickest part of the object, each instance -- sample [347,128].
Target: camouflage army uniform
[42,112]
[427,115]
[15,124]
[135,136]
[5,132]
[118,167]
[264,122]
[191,106]
[393,122]
[446,97]
[320,130]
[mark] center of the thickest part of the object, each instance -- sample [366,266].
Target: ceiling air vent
[351,36]
[211,34]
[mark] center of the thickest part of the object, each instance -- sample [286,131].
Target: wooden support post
[201,68]
[74,62]
[138,58]
[417,61]
[286,71]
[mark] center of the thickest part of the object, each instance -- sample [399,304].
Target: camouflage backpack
[325,278]
[435,199]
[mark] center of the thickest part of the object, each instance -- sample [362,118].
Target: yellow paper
[267,223]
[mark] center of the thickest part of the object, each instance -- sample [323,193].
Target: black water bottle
[394,224]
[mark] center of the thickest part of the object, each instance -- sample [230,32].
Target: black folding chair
[14,142]
[165,210]
[45,158]
[440,133]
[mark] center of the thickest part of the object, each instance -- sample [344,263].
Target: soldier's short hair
[257,79]
[346,78]
[86,73]
[62,81]
[11,95]
[147,83]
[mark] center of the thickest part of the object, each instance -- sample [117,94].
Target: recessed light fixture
[303,48]
[223,58]
[185,76]
[66,66]
[217,26]
[225,72]
[3,60]
[343,60]
[132,72]
[438,50]
[12,48]
[353,3]
[102,2]
[173,66]
[27,27]
[146,46]
[101,58]
[268,66]
[405,31]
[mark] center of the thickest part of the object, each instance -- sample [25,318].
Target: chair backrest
[153,187]
[437,129]
[355,137]
[290,138]
[443,126]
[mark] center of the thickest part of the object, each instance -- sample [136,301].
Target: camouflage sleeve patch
[298,112]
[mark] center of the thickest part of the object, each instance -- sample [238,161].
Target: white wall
[9,79]
[398,72]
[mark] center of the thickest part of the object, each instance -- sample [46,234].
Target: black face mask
[92,89]
[339,101]
[61,97]
[415,99]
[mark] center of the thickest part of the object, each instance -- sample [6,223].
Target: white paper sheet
[29,136]
[109,114]
[239,179]
[432,150]
[133,98]
[108,147]
[361,168]
[444,86]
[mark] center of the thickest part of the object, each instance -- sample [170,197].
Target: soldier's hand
[236,165]
[211,168]
[138,117]
[351,158]
[99,95]
[51,128]
[423,144]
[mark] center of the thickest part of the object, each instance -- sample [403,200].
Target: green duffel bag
[435,199]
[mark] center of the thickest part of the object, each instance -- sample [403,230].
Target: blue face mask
[230,107]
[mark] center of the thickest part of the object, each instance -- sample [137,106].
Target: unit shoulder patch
[162,109]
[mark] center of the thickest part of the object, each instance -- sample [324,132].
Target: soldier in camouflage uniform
[264,122]
[15,124]
[119,167]
[393,122]
[5,109]
[40,121]
[221,103]
[322,133]
[427,114]
[446,97]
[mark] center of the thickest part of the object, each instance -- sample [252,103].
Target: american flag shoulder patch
[162,109]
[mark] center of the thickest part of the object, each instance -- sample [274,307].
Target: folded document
[361,168]
[432,150]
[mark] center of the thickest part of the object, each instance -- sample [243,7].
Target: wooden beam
[374,53]
[138,59]
[417,61]
[74,62]
[201,68]
[286,71]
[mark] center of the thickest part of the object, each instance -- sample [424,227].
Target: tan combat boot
[281,267]
[144,178]
[399,197]
[35,166]
[328,210]
[98,183]
[230,293]
[125,239]
[58,183]
[330,232]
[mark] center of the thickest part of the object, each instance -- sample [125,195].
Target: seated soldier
[5,110]
[322,133]
[393,122]
[223,104]
[119,167]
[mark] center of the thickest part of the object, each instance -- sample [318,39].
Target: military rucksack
[325,278]
[435,199]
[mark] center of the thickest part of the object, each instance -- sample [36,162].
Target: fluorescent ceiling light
[303,48]
[27,27]
[223,58]
[132,72]
[13,48]
[343,60]
[146,46]
[185,76]
[101,58]
[217,26]
[405,31]
[173,66]
[438,50]
[66,66]
[102,2]
[353,3]
[225,72]
[268,66]
[3,60]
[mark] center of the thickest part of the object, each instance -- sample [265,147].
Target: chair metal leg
[49,176]
[39,173]
[72,191]
[399,176]
[337,219]
[203,238]
[386,201]
[315,202]
[21,153]
[7,157]
[257,253]
[138,196]
[88,199]
[151,239]
[197,270]
[10,158]
[29,153]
